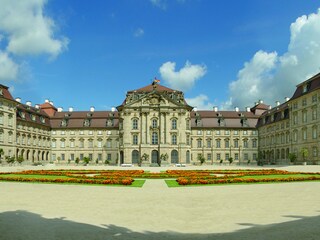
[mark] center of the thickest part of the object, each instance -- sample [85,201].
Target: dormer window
[89,115]
[33,117]
[42,119]
[86,123]
[22,114]
[66,115]
[305,88]
[109,123]
[1,92]
[64,123]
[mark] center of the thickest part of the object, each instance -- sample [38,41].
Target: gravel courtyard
[262,211]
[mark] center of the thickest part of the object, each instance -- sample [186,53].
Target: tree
[163,157]
[230,160]
[1,152]
[304,153]
[201,159]
[86,160]
[292,157]
[10,160]
[77,160]
[20,159]
[144,157]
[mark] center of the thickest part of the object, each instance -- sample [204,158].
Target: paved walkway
[260,211]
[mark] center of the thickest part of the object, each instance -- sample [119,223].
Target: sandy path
[265,211]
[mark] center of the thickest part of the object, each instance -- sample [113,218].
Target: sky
[228,53]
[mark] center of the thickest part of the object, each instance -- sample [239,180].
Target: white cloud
[8,68]
[274,77]
[201,102]
[183,79]
[159,3]
[139,32]
[28,30]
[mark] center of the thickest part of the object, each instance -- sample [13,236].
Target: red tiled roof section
[151,87]
[5,92]
[261,106]
[76,119]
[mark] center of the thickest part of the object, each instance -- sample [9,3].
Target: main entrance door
[154,156]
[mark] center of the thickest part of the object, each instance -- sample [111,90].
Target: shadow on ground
[22,225]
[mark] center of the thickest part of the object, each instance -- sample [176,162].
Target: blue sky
[220,53]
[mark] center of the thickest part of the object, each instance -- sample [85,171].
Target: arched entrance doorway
[135,157]
[174,156]
[154,156]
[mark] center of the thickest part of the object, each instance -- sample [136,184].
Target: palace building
[157,124]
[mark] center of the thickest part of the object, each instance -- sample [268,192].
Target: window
[314,98]
[71,132]
[314,114]
[208,132]
[72,156]
[236,156]
[246,156]
[209,143]
[245,132]
[90,156]
[174,139]
[314,132]
[10,120]
[90,132]
[218,132]
[81,132]
[218,156]
[304,134]
[53,157]
[254,143]
[236,132]
[63,132]
[62,156]
[254,132]
[81,156]
[72,143]
[199,132]
[10,137]
[62,143]
[304,116]
[90,143]
[188,140]
[227,132]
[53,143]
[304,102]
[314,152]
[245,143]
[109,143]
[99,143]
[295,136]
[295,118]
[99,156]
[54,132]
[99,132]
[199,143]
[209,156]
[218,143]
[135,139]
[154,139]
[81,143]
[188,124]
[254,156]
[174,124]
[227,156]
[154,123]
[134,124]
[109,156]
[236,143]
[227,143]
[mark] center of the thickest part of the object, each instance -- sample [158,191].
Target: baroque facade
[156,123]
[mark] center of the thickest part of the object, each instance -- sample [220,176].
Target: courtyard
[155,211]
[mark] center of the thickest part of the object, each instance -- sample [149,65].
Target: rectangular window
[254,143]
[236,143]
[246,156]
[81,144]
[90,132]
[199,132]
[236,132]
[62,156]
[99,144]
[109,156]
[53,157]
[81,132]
[236,156]
[218,132]
[227,145]
[90,144]
[209,157]
[245,132]
[99,156]
[99,132]
[208,143]
[227,156]
[208,132]
[218,156]
[218,143]
[90,156]
[254,156]
[53,144]
[72,156]
[81,156]
[199,145]
[63,132]
[109,143]
[227,132]
[71,132]
[72,144]
[62,144]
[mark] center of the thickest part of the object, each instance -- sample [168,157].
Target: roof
[223,119]
[312,84]
[29,111]
[152,87]
[5,93]
[98,119]
[276,112]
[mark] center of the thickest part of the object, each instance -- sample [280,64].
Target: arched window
[174,156]
[174,124]
[134,124]
[154,139]
[135,157]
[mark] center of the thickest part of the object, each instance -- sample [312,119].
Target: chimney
[236,109]
[50,102]
[277,103]
[286,99]
[215,109]
[195,109]
[60,109]
[70,109]
[46,101]
[37,106]
[18,99]
[270,107]
[28,103]
[91,109]
[113,109]
[248,109]
[260,101]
